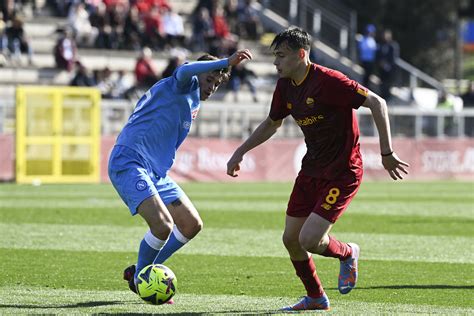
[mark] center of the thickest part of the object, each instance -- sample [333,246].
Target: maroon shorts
[327,198]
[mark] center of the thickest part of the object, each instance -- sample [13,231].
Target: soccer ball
[156,284]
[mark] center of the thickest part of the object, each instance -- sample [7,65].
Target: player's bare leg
[188,224]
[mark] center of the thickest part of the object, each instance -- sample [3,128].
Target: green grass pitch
[63,249]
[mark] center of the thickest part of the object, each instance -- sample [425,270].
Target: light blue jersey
[164,115]
[161,121]
[145,149]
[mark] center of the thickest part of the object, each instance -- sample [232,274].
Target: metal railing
[336,27]
[239,120]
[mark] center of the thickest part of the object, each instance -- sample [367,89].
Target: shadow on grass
[76,305]
[418,287]
[105,303]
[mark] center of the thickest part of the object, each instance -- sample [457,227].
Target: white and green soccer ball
[156,284]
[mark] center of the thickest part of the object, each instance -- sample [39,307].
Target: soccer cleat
[348,271]
[129,276]
[309,303]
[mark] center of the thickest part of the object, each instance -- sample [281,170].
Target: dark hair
[295,38]
[225,72]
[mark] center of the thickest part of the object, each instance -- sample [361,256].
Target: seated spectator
[249,21]
[78,20]
[154,29]
[120,86]
[145,70]
[468,97]
[224,40]
[82,77]
[242,75]
[65,50]
[133,30]
[17,40]
[104,82]
[203,30]
[173,28]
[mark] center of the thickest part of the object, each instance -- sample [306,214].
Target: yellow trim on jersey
[362,92]
[305,75]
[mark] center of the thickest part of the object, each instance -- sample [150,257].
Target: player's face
[287,61]
[208,84]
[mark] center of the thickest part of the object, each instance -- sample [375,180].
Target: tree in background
[425,30]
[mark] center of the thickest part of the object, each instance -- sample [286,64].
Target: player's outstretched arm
[263,132]
[186,71]
[390,161]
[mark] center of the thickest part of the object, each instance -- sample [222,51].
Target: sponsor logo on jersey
[141,185]
[289,106]
[194,113]
[310,120]
[310,102]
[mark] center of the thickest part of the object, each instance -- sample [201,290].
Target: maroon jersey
[323,106]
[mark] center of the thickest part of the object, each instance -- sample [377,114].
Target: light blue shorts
[135,181]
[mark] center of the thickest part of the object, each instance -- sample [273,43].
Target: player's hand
[233,165]
[395,166]
[239,56]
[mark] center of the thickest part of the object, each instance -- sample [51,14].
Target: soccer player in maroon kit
[322,102]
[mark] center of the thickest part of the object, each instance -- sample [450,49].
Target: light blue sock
[149,248]
[174,243]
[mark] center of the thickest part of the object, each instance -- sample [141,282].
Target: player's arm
[264,131]
[390,160]
[187,71]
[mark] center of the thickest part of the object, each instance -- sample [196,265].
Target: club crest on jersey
[141,185]
[310,102]
[186,124]
[289,106]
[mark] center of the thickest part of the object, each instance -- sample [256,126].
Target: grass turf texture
[63,249]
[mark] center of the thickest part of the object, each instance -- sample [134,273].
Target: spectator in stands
[173,28]
[468,101]
[107,37]
[249,21]
[154,34]
[3,41]
[468,97]
[203,30]
[177,59]
[452,103]
[146,73]
[82,77]
[7,8]
[224,40]
[387,53]
[78,20]
[17,40]
[104,82]
[367,53]
[65,50]
[231,15]
[120,86]
[133,30]
[240,75]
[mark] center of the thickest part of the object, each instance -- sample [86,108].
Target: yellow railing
[57,134]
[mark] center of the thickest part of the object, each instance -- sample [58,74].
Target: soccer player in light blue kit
[145,151]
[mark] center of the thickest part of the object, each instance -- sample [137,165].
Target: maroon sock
[337,249]
[306,270]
